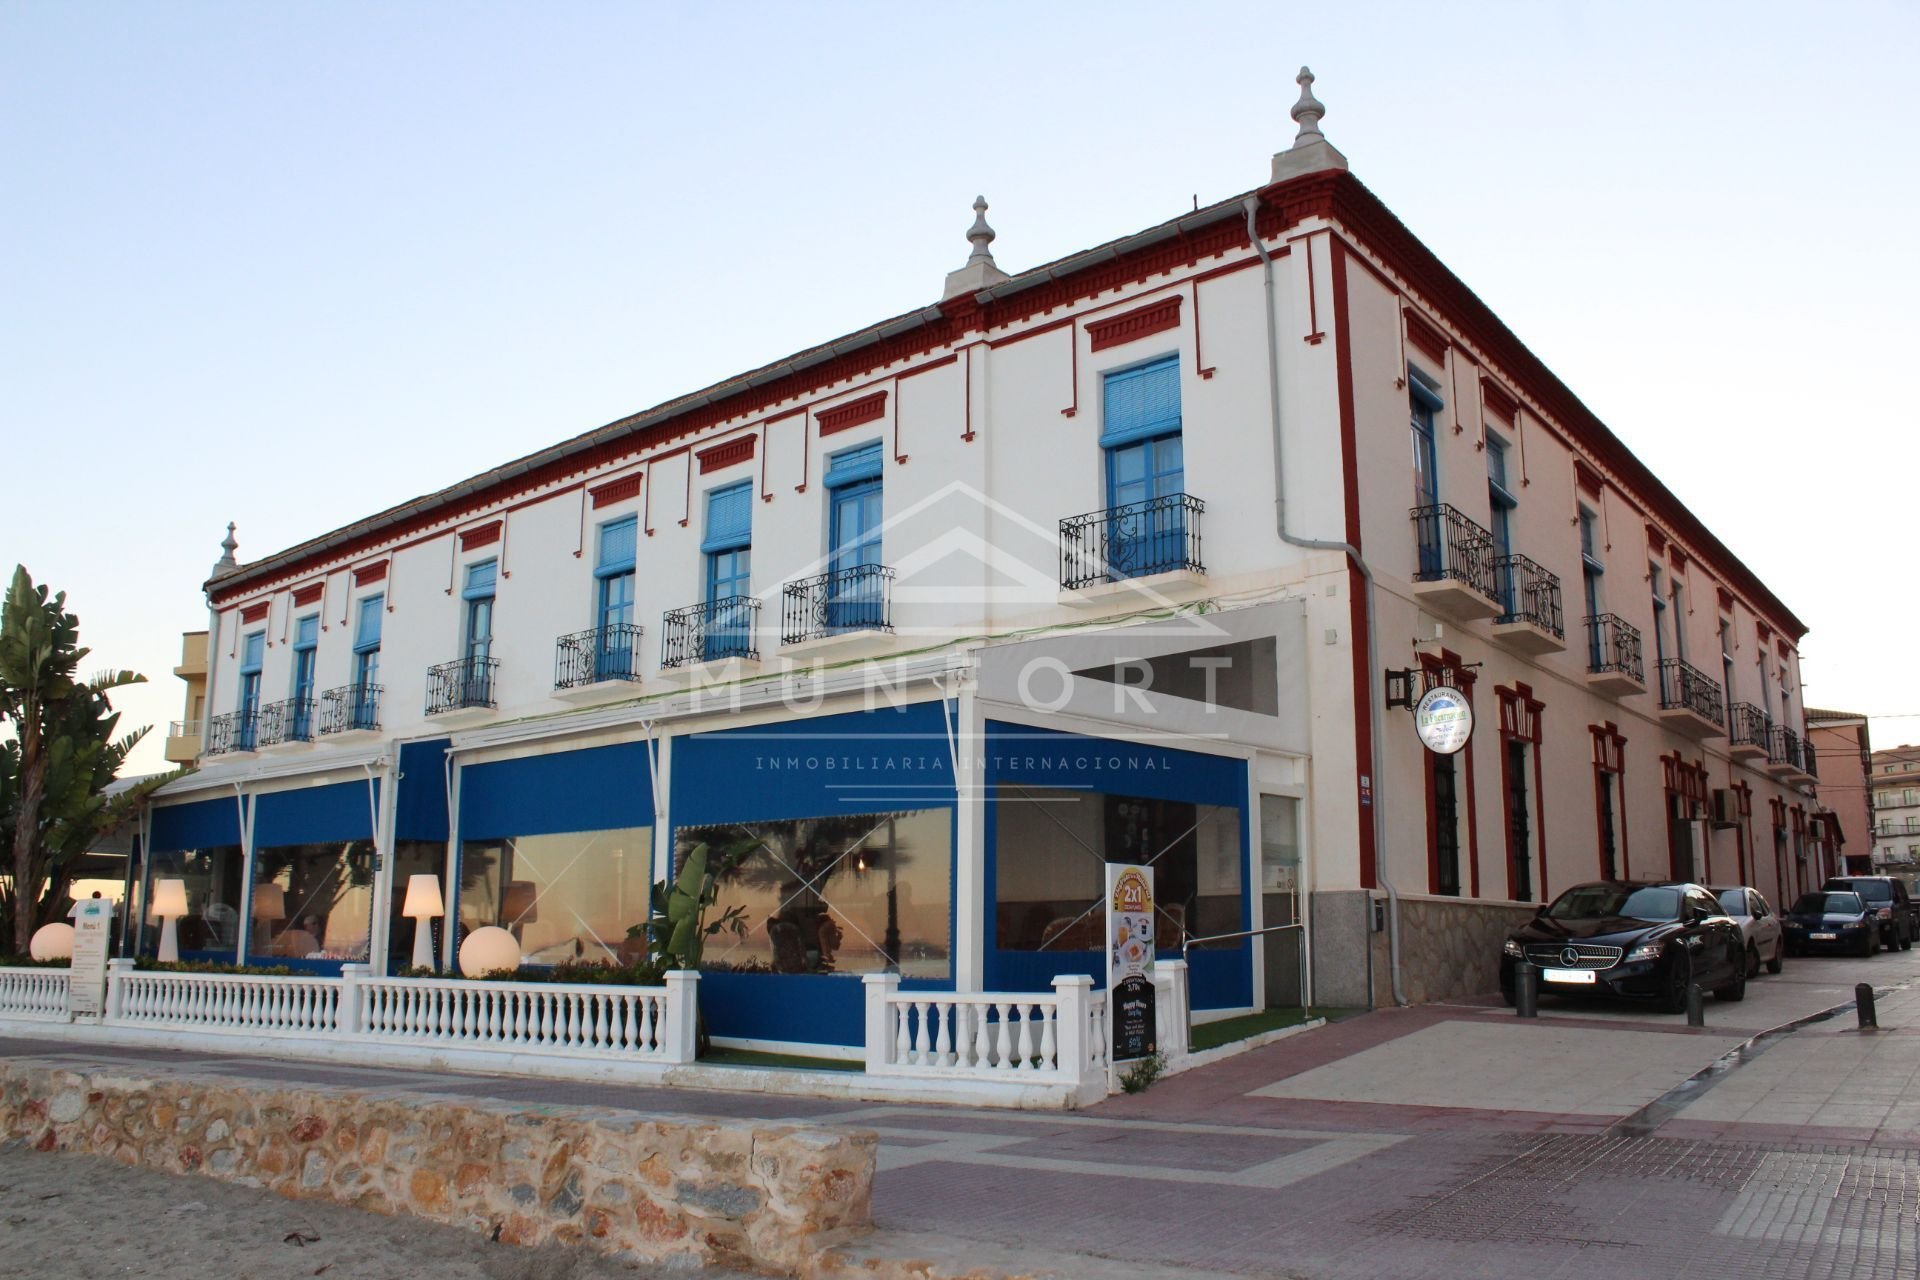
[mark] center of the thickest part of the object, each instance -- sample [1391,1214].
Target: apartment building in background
[1895,793]
[1142,555]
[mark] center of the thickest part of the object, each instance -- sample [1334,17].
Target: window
[312,901]
[478,593]
[1659,613]
[564,897]
[306,643]
[1146,470]
[854,893]
[1726,655]
[252,652]
[728,548]
[364,711]
[613,572]
[1766,685]
[1422,403]
[855,595]
[1590,571]
[1500,505]
[1679,616]
[1445,799]
[213,874]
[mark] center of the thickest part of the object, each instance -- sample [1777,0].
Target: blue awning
[204,824]
[315,815]
[598,789]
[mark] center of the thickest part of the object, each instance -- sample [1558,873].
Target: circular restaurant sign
[1444,720]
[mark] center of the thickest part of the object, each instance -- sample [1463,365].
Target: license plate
[1568,975]
[1824,937]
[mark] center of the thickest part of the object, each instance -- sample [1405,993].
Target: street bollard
[1696,1006]
[1863,1004]
[1526,990]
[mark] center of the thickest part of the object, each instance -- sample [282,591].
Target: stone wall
[1451,948]
[654,1188]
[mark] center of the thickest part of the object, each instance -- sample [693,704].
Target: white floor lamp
[423,904]
[169,904]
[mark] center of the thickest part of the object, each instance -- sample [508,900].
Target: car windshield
[1871,890]
[1829,904]
[1599,901]
[1733,901]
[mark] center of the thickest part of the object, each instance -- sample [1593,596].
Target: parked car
[1894,907]
[1758,925]
[1632,940]
[1836,921]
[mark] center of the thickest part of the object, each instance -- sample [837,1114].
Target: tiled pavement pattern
[1407,1143]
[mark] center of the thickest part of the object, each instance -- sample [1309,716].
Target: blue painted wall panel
[598,789]
[420,811]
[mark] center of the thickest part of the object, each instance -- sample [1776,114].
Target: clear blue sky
[287,264]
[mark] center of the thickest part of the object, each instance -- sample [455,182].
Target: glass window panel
[211,928]
[312,901]
[867,893]
[1050,850]
[566,897]
[618,543]
[413,858]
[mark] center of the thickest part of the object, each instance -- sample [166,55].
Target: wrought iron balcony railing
[1528,593]
[235,731]
[1613,644]
[350,708]
[289,721]
[710,632]
[1810,758]
[601,653]
[1683,685]
[464,682]
[856,598]
[1453,548]
[1159,535]
[1749,726]
[1785,748]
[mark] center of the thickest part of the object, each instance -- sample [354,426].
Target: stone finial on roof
[1311,152]
[980,270]
[228,545]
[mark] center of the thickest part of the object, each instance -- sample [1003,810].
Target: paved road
[1438,1141]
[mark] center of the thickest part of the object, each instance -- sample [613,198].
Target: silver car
[1758,925]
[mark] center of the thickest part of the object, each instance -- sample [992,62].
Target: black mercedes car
[1630,939]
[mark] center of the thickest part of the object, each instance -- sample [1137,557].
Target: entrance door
[1519,821]
[1280,901]
[1679,839]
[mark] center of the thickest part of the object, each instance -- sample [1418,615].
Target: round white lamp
[169,904]
[488,950]
[423,904]
[52,942]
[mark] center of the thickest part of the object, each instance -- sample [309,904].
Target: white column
[1075,991]
[348,1017]
[118,971]
[970,907]
[683,1015]
[1170,1013]
[879,988]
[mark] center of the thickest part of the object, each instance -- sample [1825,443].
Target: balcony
[1531,621]
[1750,731]
[234,732]
[1453,571]
[288,723]
[1790,757]
[718,631]
[1152,544]
[461,689]
[352,708]
[601,662]
[1614,664]
[826,611]
[1690,700]
[183,741]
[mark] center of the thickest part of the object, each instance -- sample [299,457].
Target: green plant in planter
[677,930]
[1139,1077]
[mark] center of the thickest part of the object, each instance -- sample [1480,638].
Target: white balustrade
[36,994]
[587,1020]
[222,1003]
[1056,1036]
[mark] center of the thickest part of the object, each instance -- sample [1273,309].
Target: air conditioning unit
[1726,808]
[1817,828]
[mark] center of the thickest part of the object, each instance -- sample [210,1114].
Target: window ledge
[599,691]
[1152,584]
[841,643]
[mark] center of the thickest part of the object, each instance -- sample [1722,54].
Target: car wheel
[1736,991]
[1674,998]
[1906,942]
[1753,961]
[1870,945]
[1779,958]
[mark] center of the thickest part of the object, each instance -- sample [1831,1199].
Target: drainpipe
[1252,207]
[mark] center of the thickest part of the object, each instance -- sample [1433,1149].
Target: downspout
[1252,207]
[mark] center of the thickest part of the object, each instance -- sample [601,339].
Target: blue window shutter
[480,580]
[252,650]
[729,518]
[854,465]
[366,633]
[306,632]
[618,544]
[1141,403]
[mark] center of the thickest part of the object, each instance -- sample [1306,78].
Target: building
[184,734]
[1120,558]
[1843,753]
[1895,792]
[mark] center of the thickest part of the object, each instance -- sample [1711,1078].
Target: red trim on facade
[853,413]
[1130,326]
[1363,691]
[1609,759]
[1724,598]
[1677,558]
[1784,650]
[1587,478]
[375,572]
[1445,668]
[738,449]
[616,491]
[1432,342]
[308,594]
[1520,714]
[483,536]
[1502,404]
[254,612]
[1656,540]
